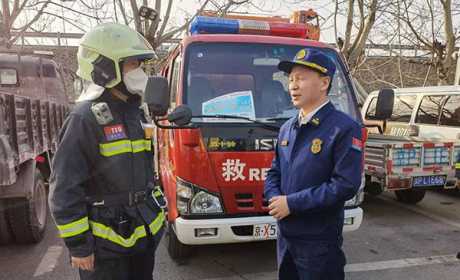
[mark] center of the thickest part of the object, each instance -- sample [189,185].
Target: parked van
[426,112]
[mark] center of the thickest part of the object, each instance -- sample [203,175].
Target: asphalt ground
[395,241]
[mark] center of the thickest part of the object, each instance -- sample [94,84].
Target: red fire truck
[213,171]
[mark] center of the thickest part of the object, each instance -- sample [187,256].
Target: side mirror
[385,102]
[157,95]
[181,115]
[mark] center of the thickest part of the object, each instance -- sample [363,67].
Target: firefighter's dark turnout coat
[100,174]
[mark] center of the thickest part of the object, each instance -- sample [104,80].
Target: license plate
[265,231]
[429,181]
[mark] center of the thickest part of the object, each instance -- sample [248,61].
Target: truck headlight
[184,193]
[191,199]
[356,200]
[205,203]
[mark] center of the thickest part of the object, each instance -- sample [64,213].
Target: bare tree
[19,16]
[356,34]
[9,16]
[429,24]
[160,30]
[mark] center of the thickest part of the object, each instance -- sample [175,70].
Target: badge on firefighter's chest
[114,132]
[316,145]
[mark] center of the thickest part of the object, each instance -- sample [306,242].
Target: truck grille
[244,200]
[243,230]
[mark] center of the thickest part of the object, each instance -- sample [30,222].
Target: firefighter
[102,193]
[316,168]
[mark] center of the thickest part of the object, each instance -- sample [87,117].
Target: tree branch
[407,20]
[165,20]
[34,19]
[360,41]
[349,26]
[171,33]
[17,9]
[137,19]
[146,21]
[123,12]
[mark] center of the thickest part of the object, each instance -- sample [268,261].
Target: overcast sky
[181,8]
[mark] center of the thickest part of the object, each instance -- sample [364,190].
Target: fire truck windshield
[242,79]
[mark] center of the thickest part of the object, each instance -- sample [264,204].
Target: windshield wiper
[278,119]
[262,124]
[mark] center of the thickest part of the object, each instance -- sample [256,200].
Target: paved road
[395,242]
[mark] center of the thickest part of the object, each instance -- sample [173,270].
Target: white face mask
[136,81]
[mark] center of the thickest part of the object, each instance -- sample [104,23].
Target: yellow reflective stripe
[141,145]
[457,165]
[156,225]
[115,148]
[73,228]
[106,232]
[157,194]
[124,146]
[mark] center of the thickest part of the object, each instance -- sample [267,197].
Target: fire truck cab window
[228,73]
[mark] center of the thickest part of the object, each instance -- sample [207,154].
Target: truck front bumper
[238,230]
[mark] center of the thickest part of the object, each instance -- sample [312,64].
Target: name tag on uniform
[114,132]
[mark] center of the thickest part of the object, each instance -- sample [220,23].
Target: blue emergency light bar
[215,25]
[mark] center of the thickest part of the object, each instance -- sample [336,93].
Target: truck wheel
[373,188]
[5,231]
[176,250]
[28,217]
[410,196]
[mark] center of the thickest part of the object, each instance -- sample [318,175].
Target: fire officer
[102,196]
[317,167]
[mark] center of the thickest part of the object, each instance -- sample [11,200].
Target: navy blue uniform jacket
[318,166]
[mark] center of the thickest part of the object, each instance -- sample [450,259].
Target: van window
[428,113]
[49,71]
[403,107]
[8,77]
[370,114]
[451,111]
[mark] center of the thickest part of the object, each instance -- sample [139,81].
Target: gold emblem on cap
[316,145]
[301,54]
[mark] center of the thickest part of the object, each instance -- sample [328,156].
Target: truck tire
[410,196]
[176,250]
[373,188]
[28,217]
[5,230]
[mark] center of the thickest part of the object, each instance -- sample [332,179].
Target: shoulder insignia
[102,113]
